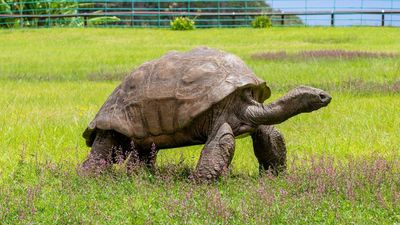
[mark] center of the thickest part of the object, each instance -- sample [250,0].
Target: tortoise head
[308,99]
[302,99]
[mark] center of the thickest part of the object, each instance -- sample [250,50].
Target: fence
[207,13]
[346,19]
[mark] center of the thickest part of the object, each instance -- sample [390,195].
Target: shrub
[261,22]
[104,20]
[182,23]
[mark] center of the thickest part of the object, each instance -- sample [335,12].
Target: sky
[341,20]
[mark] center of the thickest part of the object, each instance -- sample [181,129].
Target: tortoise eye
[250,93]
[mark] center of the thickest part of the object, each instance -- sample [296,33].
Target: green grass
[98,54]
[53,81]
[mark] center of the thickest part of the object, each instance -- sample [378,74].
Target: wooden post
[332,19]
[383,18]
[283,19]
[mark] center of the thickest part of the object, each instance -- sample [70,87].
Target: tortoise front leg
[217,154]
[100,158]
[269,148]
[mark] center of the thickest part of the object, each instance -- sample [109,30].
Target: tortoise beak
[325,98]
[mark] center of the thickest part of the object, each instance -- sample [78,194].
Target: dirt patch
[321,54]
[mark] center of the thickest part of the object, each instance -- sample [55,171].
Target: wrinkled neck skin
[274,113]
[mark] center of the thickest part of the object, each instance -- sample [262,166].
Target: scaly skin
[270,149]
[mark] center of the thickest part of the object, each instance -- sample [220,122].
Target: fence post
[158,14]
[282,19]
[106,11]
[383,18]
[332,19]
[132,9]
[247,17]
[219,11]
[21,21]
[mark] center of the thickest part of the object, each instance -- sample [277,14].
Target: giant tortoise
[203,96]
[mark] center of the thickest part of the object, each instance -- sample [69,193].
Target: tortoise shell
[166,94]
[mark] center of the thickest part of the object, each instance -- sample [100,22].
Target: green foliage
[104,20]
[5,9]
[182,23]
[40,7]
[261,22]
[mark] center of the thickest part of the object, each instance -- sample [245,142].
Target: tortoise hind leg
[100,158]
[217,154]
[269,148]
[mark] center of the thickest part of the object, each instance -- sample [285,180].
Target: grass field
[344,160]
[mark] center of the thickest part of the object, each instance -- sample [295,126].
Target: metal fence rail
[159,13]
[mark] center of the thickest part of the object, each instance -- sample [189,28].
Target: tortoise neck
[274,113]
